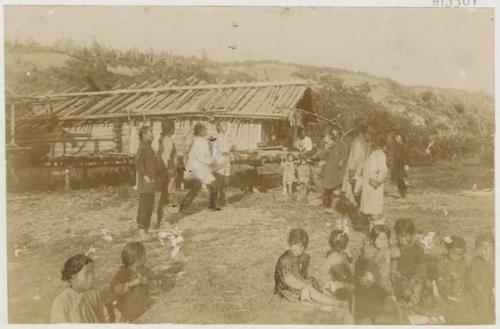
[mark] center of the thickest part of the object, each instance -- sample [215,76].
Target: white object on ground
[18,251]
[427,240]
[91,250]
[175,238]
[106,236]
[445,212]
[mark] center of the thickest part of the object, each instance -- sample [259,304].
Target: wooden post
[12,125]
[67,185]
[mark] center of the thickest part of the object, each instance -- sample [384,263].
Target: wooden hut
[98,122]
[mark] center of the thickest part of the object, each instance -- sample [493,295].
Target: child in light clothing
[288,174]
[79,302]
[131,284]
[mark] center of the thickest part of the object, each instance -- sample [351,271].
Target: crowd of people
[375,287]
[390,278]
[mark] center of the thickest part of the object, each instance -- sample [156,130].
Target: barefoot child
[288,174]
[131,283]
[480,280]
[79,302]
[290,277]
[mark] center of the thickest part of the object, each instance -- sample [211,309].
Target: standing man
[147,169]
[400,165]
[374,172]
[167,157]
[221,152]
[199,170]
[304,143]
[360,149]
[334,158]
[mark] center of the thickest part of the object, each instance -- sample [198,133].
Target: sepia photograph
[250,164]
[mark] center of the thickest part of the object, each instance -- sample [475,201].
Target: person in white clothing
[199,168]
[304,143]
[221,152]
[374,173]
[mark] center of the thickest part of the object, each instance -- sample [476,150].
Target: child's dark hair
[338,241]
[485,237]
[455,242]
[143,131]
[74,265]
[404,226]
[132,252]
[379,229]
[298,235]
[198,128]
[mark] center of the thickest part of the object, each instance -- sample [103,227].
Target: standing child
[410,267]
[303,176]
[79,302]
[480,280]
[131,283]
[288,174]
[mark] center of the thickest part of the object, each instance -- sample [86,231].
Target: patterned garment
[73,307]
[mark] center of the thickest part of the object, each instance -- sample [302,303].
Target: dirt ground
[224,273]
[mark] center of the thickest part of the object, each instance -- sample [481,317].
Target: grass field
[224,273]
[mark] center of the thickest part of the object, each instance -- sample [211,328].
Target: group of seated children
[389,280]
[131,290]
[298,172]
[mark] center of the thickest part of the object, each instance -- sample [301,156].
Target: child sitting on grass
[480,281]
[449,279]
[290,277]
[131,284]
[293,283]
[373,304]
[337,268]
[409,271]
[380,251]
[79,302]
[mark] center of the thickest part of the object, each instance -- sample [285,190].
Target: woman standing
[146,165]
[199,169]
[400,165]
[332,172]
[374,173]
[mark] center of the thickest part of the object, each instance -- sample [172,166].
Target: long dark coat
[399,161]
[332,175]
[146,163]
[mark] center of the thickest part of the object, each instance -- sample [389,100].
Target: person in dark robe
[400,165]
[333,161]
[146,164]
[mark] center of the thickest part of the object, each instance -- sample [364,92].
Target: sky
[451,48]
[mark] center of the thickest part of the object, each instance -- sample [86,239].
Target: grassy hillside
[459,122]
